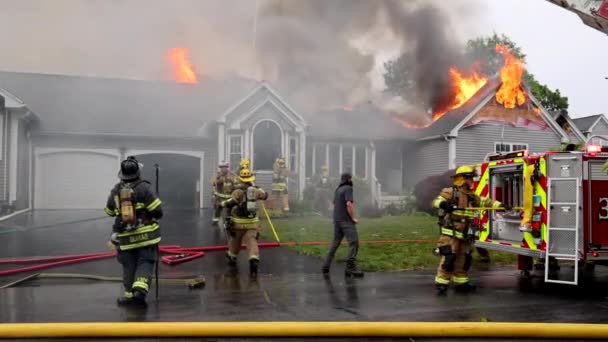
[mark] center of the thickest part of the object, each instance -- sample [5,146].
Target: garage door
[74,179]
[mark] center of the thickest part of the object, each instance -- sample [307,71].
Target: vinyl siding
[423,159]
[23,168]
[600,129]
[475,142]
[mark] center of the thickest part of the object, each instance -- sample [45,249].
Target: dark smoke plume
[306,46]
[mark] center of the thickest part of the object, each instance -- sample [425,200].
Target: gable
[600,128]
[524,116]
[262,103]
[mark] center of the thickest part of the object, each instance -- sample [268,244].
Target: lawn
[416,254]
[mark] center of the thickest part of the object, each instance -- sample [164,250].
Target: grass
[374,257]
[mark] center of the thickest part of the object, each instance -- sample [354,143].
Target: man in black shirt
[344,226]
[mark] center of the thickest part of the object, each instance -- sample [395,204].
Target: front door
[267,145]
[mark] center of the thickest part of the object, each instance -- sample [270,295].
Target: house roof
[453,118]
[584,124]
[75,104]
[362,122]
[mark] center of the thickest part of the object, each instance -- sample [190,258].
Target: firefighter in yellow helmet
[244,164]
[457,231]
[244,223]
[279,183]
[223,186]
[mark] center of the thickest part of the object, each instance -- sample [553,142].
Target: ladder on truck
[563,220]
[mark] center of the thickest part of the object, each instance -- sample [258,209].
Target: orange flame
[510,93]
[183,70]
[463,89]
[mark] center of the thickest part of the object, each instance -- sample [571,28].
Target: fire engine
[560,207]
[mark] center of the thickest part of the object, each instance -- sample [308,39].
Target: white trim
[354,167]
[264,85]
[327,157]
[12,101]
[601,117]
[298,116]
[302,165]
[236,124]
[432,137]
[231,109]
[252,161]
[221,140]
[548,118]
[228,156]
[18,212]
[5,133]
[30,152]
[367,163]
[373,164]
[577,131]
[313,161]
[452,153]
[247,144]
[196,154]
[13,160]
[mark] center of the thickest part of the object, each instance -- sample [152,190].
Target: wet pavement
[289,287]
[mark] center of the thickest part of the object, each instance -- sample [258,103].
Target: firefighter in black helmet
[136,231]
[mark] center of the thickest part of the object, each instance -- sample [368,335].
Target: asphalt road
[290,287]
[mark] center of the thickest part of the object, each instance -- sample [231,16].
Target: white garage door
[74,179]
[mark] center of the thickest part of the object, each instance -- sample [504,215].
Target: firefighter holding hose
[244,223]
[223,185]
[457,229]
[136,231]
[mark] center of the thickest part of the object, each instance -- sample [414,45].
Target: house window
[600,141]
[360,162]
[509,147]
[236,151]
[293,153]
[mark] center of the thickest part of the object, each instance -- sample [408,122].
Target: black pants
[341,230]
[137,264]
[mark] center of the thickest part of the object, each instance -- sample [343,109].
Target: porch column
[452,153]
[221,142]
[302,165]
[12,158]
[246,152]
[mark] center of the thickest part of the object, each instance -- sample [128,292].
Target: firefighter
[223,186]
[279,183]
[456,241]
[136,231]
[244,223]
[322,184]
[244,164]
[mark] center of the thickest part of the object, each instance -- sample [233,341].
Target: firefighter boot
[139,299]
[126,299]
[442,289]
[466,287]
[285,198]
[253,267]
[231,260]
[352,270]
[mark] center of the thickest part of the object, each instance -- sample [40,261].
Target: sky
[108,39]
[562,52]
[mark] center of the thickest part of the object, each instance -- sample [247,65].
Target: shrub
[429,188]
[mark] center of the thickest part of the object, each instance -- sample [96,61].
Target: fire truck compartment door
[598,200]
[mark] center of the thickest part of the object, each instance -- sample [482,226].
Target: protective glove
[114,238]
[446,207]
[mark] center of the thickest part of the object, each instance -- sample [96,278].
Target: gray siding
[4,135]
[600,129]
[473,143]
[23,168]
[423,159]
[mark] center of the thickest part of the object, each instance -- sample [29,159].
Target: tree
[399,75]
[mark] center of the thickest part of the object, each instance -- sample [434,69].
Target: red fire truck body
[561,207]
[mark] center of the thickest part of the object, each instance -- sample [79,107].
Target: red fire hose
[179,255]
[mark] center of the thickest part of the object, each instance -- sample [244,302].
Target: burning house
[64,136]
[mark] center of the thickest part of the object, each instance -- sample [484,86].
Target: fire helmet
[244,164]
[465,171]
[129,169]
[245,176]
[223,164]
[281,161]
